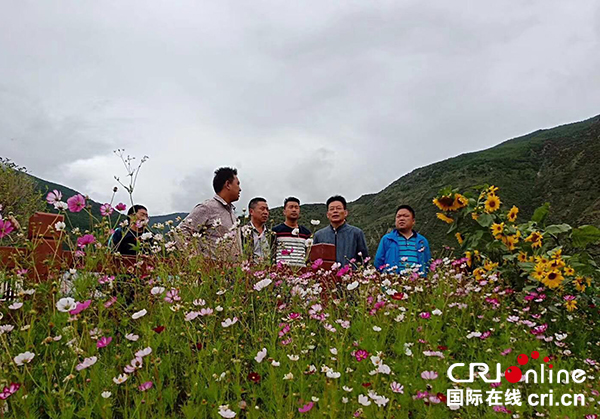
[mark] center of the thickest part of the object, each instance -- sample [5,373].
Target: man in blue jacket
[403,248]
[350,243]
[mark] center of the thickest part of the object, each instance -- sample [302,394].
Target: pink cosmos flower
[106,210]
[317,264]
[397,387]
[145,386]
[53,197]
[361,354]
[121,207]
[103,342]
[506,352]
[293,316]
[172,296]
[284,330]
[87,362]
[425,315]
[539,330]
[80,307]
[429,375]
[306,407]
[5,228]
[76,203]
[485,335]
[9,390]
[110,302]
[343,271]
[85,240]
[105,279]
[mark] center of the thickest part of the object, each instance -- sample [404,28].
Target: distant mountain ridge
[559,165]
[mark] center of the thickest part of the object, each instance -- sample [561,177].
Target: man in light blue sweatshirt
[350,243]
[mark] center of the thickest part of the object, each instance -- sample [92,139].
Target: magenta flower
[317,264]
[9,390]
[106,210]
[343,271]
[103,342]
[425,315]
[76,203]
[110,302]
[145,386]
[85,240]
[53,197]
[306,408]
[80,307]
[361,354]
[294,316]
[121,207]
[5,228]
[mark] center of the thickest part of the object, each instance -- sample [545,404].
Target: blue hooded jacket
[388,252]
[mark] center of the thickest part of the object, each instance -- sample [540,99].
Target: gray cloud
[311,98]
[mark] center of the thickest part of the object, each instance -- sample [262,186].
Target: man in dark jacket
[350,243]
[125,240]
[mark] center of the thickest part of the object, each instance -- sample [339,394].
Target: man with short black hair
[255,234]
[214,220]
[350,243]
[290,237]
[403,248]
[125,240]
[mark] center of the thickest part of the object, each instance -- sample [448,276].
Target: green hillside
[559,165]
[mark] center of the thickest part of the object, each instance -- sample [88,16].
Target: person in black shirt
[125,240]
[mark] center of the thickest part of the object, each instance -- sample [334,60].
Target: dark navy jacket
[349,241]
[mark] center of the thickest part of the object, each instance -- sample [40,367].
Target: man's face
[336,212]
[140,217]
[260,213]
[233,189]
[404,220]
[292,210]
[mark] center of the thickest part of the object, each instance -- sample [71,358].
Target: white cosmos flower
[437,312]
[60,205]
[260,355]
[224,410]
[347,389]
[199,302]
[24,358]
[146,236]
[120,379]
[293,357]
[315,222]
[132,337]
[66,304]
[191,315]
[157,290]
[229,322]
[295,231]
[15,306]
[275,363]
[377,328]
[263,283]
[364,400]
[352,285]
[106,394]
[87,362]
[309,242]
[333,351]
[139,314]
[333,374]
[144,352]
[60,226]
[288,376]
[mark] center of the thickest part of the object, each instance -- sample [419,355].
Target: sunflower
[460,201]
[557,263]
[539,271]
[571,305]
[497,229]
[492,190]
[478,273]
[474,216]
[489,266]
[510,242]
[522,257]
[444,218]
[512,214]
[535,238]
[445,202]
[541,259]
[557,254]
[459,238]
[580,284]
[492,203]
[553,278]
[569,271]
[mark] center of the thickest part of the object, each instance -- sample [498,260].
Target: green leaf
[557,229]
[585,235]
[540,214]
[485,220]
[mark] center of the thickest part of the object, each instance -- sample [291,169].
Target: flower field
[187,338]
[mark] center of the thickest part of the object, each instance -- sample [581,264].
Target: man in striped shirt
[290,237]
[403,248]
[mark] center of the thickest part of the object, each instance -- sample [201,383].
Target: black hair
[290,199]
[254,201]
[337,198]
[134,209]
[222,175]
[408,207]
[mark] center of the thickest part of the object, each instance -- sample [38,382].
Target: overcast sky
[306,98]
